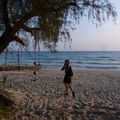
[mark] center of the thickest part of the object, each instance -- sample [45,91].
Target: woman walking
[67,77]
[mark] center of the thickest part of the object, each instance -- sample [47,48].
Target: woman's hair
[67,61]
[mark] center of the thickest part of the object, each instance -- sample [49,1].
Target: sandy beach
[42,97]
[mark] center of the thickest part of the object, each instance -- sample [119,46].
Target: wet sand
[42,97]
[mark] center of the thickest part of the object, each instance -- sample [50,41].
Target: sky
[88,37]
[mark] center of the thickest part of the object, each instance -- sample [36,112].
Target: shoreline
[32,67]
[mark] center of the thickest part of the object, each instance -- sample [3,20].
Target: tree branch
[72,4]
[21,22]
[5,14]
[17,39]
[28,29]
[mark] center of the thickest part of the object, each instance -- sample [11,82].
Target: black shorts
[67,80]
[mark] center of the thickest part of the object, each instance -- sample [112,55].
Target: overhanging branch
[28,29]
[21,22]
[17,39]
[5,14]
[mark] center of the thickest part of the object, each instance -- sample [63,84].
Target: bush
[2,104]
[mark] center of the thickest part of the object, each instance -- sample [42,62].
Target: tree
[47,20]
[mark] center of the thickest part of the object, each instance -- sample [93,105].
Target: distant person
[67,77]
[35,65]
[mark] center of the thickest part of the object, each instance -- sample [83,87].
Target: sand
[42,97]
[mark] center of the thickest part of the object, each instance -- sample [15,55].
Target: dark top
[68,71]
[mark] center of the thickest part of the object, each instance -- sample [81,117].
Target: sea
[78,59]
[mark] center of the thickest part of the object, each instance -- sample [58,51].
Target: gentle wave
[79,59]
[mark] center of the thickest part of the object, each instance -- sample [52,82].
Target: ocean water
[78,59]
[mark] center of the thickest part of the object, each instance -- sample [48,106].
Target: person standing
[67,78]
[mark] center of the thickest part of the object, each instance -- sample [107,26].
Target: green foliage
[2,104]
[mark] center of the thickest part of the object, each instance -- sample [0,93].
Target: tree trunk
[5,39]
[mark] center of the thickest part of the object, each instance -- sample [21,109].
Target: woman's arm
[64,67]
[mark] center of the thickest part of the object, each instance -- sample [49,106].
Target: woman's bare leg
[70,86]
[66,88]
[73,93]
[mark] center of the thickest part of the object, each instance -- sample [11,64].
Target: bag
[70,72]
